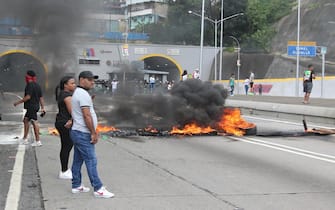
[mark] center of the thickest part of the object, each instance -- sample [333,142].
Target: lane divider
[286,122]
[284,148]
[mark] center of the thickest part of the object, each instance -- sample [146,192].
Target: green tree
[254,29]
[262,15]
[179,27]
[183,28]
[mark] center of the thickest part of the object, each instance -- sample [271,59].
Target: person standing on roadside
[252,78]
[32,100]
[232,84]
[152,82]
[184,76]
[196,74]
[114,84]
[309,75]
[64,122]
[84,137]
[246,85]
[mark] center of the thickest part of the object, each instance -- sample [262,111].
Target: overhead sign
[306,49]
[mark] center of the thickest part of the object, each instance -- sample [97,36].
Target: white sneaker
[81,189]
[23,141]
[66,174]
[103,193]
[36,144]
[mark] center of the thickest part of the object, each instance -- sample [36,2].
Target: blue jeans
[84,151]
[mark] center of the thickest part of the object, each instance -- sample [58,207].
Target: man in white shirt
[84,136]
[152,82]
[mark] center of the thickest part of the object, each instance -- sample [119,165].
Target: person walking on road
[84,136]
[33,101]
[64,122]
[309,75]
[232,84]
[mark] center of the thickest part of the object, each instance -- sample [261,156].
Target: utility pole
[298,53]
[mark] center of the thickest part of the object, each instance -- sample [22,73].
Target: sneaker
[36,144]
[24,141]
[66,174]
[81,189]
[103,193]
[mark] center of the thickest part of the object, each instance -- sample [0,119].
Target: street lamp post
[216,23]
[298,53]
[221,42]
[238,62]
[202,36]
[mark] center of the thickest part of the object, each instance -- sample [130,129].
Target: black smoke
[189,101]
[54,24]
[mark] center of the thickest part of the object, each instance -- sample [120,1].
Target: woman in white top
[184,76]
[246,85]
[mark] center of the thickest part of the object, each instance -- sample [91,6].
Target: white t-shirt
[252,77]
[246,82]
[152,80]
[114,85]
[81,98]
[185,77]
[196,75]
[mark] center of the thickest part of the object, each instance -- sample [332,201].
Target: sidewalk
[319,102]
[319,110]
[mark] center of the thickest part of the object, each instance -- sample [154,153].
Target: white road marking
[284,148]
[14,192]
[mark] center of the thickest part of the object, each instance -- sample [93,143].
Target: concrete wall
[287,87]
[185,57]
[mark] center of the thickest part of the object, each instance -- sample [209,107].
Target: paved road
[212,172]
[196,172]
[203,172]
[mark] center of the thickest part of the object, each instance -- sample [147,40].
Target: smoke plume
[189,101]
[54,24]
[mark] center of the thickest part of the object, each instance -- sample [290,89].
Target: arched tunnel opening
[13,68]
[162,67]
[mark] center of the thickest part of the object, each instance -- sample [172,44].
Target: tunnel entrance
[158,64]
[13,67]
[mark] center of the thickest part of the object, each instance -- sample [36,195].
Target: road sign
[304,51]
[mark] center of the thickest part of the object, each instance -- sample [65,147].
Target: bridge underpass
[163,63]
[13,67]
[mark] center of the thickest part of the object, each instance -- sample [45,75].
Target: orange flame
[151,129]
[191,129]
[105,128]
[232,123]
[53,131]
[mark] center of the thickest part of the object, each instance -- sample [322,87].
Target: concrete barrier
[287,87]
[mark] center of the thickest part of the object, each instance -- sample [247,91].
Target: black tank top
[63,115]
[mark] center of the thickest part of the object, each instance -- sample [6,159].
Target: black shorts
[31,114]
[308,87]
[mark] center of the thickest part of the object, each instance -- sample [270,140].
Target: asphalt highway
[178,172]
